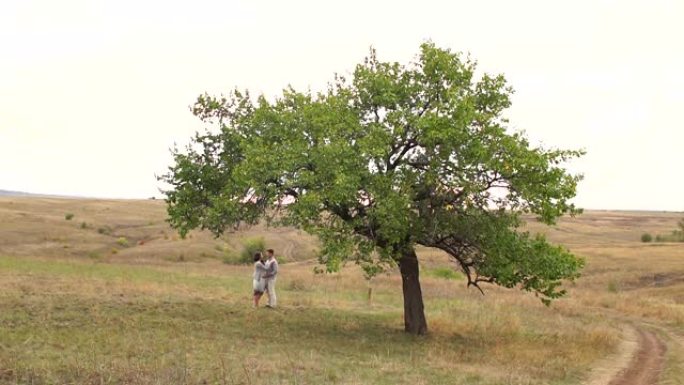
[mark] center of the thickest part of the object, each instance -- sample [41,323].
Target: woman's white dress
[258,282]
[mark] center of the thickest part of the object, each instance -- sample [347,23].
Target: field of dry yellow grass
[104,292]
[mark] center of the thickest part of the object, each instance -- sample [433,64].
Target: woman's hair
[257,256]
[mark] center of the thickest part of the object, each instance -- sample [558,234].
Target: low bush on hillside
[677,235]
[230,258]
[94,255]
[674,237]
[68,216]
[246,256]
[646,237]
[122,241]
[613,287]
[249,247]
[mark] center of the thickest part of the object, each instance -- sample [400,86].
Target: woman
[258,282]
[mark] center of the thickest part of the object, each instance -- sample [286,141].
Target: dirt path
[646,364]
[638,361]
[610,367]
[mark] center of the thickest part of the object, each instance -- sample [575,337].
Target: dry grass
[81,314]
[37,227]
[88,322]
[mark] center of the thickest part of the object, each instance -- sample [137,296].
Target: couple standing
[264,277]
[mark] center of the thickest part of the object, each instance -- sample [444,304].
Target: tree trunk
[414,316]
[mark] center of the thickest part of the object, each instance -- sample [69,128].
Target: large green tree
[392,157]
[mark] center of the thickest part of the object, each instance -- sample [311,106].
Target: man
[271,273]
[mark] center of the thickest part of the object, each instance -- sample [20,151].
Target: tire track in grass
[647,362]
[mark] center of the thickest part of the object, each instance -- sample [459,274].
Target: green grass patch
[444,273]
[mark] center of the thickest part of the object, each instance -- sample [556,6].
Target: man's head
[270,253]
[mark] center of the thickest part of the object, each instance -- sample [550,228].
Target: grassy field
[80,306]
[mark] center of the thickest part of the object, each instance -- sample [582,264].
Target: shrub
[246,255]
[104,230]
[94,255]
[249,247]
[674,237]
[677,235]
[230,259]
[612,287]
[84,225]
[122,241]
[68,216]
[646,237]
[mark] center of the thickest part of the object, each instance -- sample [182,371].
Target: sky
[94,93]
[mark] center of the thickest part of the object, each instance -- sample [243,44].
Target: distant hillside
[125,230]
[136,230]
[14,193]
[10,193]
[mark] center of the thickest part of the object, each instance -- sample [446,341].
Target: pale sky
[93,93]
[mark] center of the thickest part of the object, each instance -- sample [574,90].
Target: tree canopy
[385,159]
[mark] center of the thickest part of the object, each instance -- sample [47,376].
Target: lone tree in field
[394,157]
